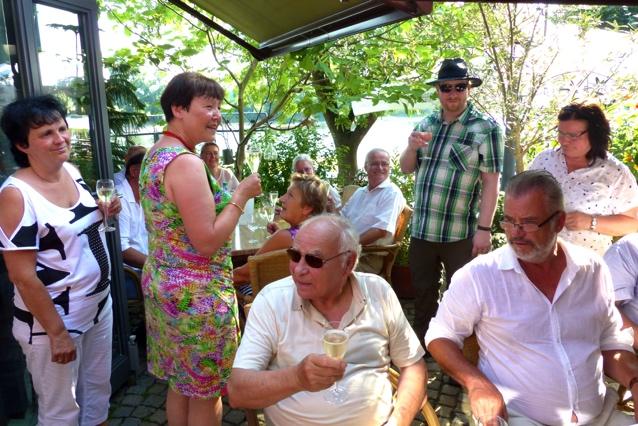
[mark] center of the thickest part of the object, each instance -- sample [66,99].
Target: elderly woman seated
[307,196]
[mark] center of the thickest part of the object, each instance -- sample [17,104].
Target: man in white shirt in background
[120,176]
[375,208]
[303,164]
[622,260]
[280,364]
[133,235]
[544,317]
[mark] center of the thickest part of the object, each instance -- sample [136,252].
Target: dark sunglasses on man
[447,88]
[311,260]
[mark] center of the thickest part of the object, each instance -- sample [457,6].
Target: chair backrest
[348,190]
[266,268]
[471,349]
[402,223]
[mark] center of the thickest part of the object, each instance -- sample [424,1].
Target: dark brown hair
[182,88]
[598,129]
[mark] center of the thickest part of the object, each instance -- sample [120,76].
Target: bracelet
[484,228]
[632,382]
[594,222]
[232,203]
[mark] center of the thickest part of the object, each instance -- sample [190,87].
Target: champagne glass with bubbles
[105,189]
[335,344]
[254,157]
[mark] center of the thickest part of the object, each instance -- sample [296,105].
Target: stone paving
[142,403]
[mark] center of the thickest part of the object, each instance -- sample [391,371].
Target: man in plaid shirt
[457,156]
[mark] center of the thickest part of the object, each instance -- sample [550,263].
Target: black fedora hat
[455,69]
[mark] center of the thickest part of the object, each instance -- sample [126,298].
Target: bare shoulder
[10,218]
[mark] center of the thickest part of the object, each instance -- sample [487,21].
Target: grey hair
[348,238]
[542,180]
[374,150]
[302,157]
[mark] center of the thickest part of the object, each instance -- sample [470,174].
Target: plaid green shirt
[448,185]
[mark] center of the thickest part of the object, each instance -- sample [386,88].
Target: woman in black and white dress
[57,259]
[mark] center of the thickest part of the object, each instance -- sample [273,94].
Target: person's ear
[178,111]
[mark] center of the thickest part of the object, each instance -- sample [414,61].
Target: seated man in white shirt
[133,235]
[622,260]
[280,364]
[544,317]
[120,176]
[374,209]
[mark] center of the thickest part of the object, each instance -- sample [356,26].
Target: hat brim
[474,81]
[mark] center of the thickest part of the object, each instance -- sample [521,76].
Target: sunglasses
[447,88]
[311,260]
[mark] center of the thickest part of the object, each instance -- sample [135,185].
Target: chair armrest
[380,248]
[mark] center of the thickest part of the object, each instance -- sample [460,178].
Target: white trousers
[77,392]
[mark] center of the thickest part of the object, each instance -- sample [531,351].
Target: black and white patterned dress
[72,260]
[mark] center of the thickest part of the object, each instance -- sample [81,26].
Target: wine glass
[494,421]
[253,156]
[335,344]
[273,197]
[105,189]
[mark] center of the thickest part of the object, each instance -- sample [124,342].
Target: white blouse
[605,188]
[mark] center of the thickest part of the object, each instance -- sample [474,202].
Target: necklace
[176,136]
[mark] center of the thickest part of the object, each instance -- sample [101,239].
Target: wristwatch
[594,222]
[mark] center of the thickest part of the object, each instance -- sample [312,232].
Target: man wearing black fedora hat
[457,155]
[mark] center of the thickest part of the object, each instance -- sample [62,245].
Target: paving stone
[115,422]
[155,401]
[235,416]
[136,390]
[132,400]
[141,412]
[444,412]
[450,390]
[448,401]
[157,388]
[159,416]
[131,422]
[148,423]
[122,412]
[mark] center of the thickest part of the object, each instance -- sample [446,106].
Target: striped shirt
[448,184]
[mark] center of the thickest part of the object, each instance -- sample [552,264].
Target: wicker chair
[390,251]
[267,267]
[428,412]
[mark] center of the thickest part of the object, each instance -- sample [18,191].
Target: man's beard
[538,253]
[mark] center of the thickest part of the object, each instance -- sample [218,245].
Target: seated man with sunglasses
[544,317]
[456,155]
[281,366]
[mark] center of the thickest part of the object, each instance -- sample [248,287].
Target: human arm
[622,366]
[134,258]
[408,159]
[187,186]
[614,224]
[410,395]
[279,240]
[21,267]
[372,235]
[628,323]
[486,401]
[259,389]
[482,241]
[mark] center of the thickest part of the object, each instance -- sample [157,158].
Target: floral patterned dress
[189,299]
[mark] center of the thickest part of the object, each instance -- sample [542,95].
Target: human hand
[418,140]
[577,221]
[481,243]
[250,187]
[272,227]
[330,206]
[62,348]
[317,372]
[487,403]
[112,208]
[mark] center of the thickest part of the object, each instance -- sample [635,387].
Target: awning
[274,27]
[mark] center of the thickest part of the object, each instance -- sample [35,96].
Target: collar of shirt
[126,191]
[386,183]
[359,301]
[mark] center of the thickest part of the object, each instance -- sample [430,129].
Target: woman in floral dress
[191,309]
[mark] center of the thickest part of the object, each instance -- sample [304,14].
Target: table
[246,242]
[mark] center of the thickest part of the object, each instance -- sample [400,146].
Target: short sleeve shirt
[606,187]
[282,329]
[71,260]
[622,260]
[448,184]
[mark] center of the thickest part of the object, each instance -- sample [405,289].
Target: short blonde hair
[314,192]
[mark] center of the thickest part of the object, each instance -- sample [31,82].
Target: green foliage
[275,174]
[623,116]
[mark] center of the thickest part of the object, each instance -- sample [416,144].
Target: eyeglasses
[311,260]
[382,164]
[447,88]
[526,227]
[569,135]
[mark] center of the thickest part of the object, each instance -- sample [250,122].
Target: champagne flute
[335,344]
[105,189]
[274,197]
[494,421]
[254,156]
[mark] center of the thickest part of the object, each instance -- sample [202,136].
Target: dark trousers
[427,260]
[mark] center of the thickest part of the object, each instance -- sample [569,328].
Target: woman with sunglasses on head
[224,177]
[307,196]
[189,300]
[601,197]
